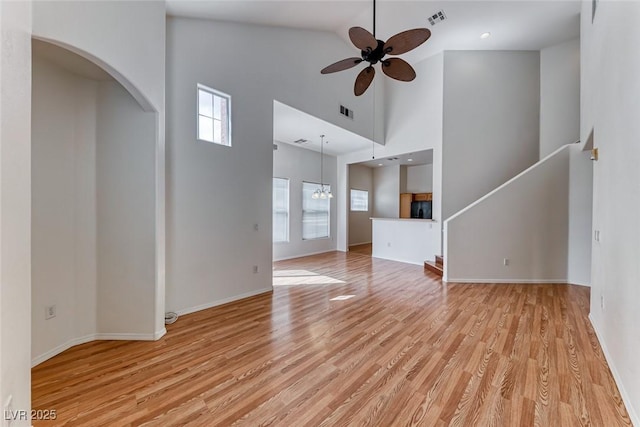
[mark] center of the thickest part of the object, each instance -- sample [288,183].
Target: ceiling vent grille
[437,17]
[300,141]
[347,112]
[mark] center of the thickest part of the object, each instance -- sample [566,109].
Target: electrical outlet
[602,302]
[50,312]
[388,244]
[596,235]
[255,227]
[505,261]
[255,269]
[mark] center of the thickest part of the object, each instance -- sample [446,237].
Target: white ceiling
[514,25]
[290,124]
[424,157]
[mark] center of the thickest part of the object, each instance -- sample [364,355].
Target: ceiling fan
[374,51]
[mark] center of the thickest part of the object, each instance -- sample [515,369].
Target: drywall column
[560,125]
[15,205]
[360,178]
[386,192]
[610,66]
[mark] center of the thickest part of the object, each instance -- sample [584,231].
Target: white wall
[125,170]
[299,164]
[525,221]
[413,122]
[609,102]
[216,194]
[360,178]
[125,37]
[419,179]
[491,122]
[63,144]
[15,205]
[559,96]
[386,192]
[397,240]
[580,214]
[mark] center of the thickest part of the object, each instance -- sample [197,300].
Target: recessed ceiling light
[409,160]
[379,164]
[485,35]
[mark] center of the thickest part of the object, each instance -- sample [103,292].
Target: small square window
[359,200]
[214,116]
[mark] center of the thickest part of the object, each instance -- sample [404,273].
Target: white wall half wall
[298,165]
[360,178]
[610,66]
[526,222]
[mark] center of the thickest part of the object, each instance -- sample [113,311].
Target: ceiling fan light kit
[373,51]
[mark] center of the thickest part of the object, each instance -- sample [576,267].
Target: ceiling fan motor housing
[373,56]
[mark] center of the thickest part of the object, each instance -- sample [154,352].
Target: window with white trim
[359,200]
[280,210]
[315,212]
[214,116]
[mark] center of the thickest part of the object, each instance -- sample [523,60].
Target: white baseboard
[635,420]
[358,244]
[95,337]
[484,281]
[306,254]
[62,347]
[221,301]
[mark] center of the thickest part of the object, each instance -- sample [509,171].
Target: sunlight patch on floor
[302,277]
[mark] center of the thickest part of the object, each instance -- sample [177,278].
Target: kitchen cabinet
[422,197]
[407,198]
[405,205]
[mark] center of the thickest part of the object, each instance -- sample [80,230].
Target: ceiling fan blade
[362,39]
[363,80]
[398,69]
[405,41]
[345,64]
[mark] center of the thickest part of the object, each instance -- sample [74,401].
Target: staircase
[435,267]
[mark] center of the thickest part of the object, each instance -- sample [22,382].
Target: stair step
[439,261]
[433,267]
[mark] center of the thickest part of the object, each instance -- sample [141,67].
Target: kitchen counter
[410,240]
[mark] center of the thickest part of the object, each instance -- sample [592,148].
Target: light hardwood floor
[405,350]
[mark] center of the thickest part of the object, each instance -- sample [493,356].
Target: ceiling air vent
[437,17]
[300,141]
[347,112]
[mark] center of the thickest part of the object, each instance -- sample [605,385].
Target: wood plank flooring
[405,350]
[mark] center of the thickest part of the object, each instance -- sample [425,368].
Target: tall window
[315,212]
[214,116]
[359,200]
[280,210]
